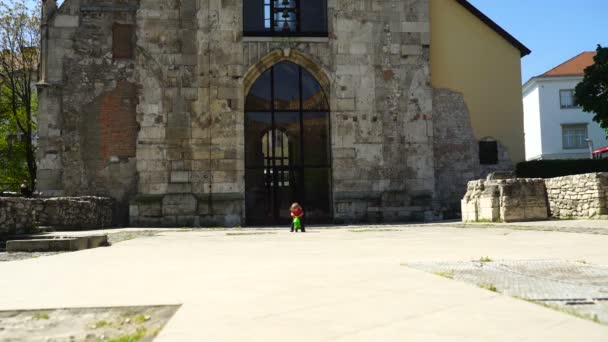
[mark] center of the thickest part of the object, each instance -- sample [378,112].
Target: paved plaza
[360,283]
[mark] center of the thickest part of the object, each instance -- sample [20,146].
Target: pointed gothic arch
[287,141]
[290,55]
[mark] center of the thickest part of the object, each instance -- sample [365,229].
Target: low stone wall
[505,200]
[580,196]
[21,215]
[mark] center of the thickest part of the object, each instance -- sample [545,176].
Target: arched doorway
[287,146]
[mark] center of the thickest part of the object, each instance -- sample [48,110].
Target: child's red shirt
[297,212]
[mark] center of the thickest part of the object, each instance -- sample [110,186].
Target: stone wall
[88,100]
[506,200]
[22,215]
[580,196]
[455,149]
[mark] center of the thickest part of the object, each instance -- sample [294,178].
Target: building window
[488,152]
[566,99]
[574,136]
[291,18]
[123,37]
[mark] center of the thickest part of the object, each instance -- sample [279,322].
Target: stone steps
[56,244]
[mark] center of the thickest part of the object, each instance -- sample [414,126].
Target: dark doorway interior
[287,147]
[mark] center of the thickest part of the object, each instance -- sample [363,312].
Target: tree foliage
[592,92]
[19,57]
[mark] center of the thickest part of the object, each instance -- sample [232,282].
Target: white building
[554,127]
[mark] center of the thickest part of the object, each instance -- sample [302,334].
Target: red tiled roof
[573,67]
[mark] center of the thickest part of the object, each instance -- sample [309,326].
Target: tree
[592,92]
[19,56]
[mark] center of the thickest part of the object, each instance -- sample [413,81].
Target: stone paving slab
[325,285]
[579,286]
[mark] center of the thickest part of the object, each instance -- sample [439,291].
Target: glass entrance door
[287,147]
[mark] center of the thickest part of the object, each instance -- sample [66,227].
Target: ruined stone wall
[579,196]
[506,200]
[23,215]
[88,129]
[455,149]
[456,152]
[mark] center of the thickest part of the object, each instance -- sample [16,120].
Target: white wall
[552,117]
[532,130]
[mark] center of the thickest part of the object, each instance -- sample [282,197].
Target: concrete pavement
[324,285]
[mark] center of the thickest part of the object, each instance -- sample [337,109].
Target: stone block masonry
[509,200]
[22,215]
[580,196]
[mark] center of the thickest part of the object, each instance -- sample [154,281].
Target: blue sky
[555,30]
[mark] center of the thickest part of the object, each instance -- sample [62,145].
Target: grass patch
[373,230]
[141,318]
[41,316]
[489,287]
[581,261]
[485,259]
[249,233]
[135,337]
[448,275]
[101,324]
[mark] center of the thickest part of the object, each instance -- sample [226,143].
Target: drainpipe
[590,145]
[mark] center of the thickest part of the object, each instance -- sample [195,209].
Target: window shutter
[122,41]
[313,16]
[253,16]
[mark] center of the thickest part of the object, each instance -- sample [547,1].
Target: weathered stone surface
[21,215]
[580,196]
[509,200]
[47,245]
[455,150]
[169,122]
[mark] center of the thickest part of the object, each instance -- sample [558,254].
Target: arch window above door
[285,18]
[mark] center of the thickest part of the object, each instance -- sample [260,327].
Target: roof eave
[493,25]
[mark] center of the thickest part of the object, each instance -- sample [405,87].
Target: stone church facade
[201,112]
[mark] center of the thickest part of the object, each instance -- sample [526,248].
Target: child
[296,214]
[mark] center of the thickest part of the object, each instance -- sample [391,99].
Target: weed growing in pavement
[489,287]
[41,316]
[485,259]
[101,324]
[569,311]
[449,275]
[141,318]
[135,337]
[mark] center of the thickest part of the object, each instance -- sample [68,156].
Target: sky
[555,30]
